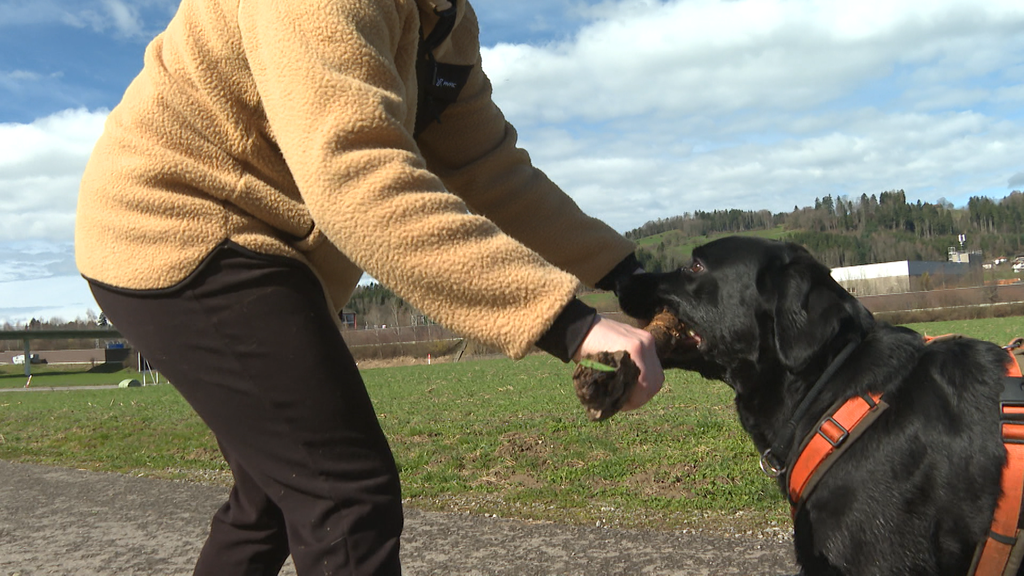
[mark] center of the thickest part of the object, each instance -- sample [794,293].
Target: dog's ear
[810,310]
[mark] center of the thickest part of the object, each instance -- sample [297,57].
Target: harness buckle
[1013,391]
[1012,431]
[830,435]
[771,466]
[1011,411]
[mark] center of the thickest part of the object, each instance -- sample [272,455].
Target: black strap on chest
[775,460]
[1003,551]
[438,84]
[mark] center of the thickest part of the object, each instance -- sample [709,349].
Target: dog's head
[750,306]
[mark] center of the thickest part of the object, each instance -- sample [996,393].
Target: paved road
[56,521]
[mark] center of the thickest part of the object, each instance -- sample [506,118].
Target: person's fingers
[610,336]
[652,376]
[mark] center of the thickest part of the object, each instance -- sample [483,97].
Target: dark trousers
[250,343]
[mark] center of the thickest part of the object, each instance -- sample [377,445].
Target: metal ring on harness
[771,470]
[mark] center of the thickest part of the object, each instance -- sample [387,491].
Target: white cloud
[639,178]
[109,14]
[30,260]
[659,108]
[15,77]
[1009,95]
[63,297]
[40,167]
[123,17]
[712,57]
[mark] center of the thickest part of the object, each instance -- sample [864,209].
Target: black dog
[916,492]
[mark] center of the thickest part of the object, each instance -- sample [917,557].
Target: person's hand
[611,336]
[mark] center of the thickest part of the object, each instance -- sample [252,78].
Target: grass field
[601,301]
[998,330]
[494,437]
[46,375]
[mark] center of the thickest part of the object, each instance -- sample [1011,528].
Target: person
[267,154]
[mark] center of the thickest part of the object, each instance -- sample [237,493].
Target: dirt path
[56,521]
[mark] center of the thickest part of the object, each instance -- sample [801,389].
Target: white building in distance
[906,276]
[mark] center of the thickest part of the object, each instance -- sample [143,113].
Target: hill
[844,232]
[670,250]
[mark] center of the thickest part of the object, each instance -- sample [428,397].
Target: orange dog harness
[1001,554]
[828,440]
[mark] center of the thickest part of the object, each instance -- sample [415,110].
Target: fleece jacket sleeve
[566,334]
[474,151]
[341,116]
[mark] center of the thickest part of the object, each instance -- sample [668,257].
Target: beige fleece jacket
[287,127]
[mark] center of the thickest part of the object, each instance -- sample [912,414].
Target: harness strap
[1000,553]
[828,440]
[445,24]
[774,459]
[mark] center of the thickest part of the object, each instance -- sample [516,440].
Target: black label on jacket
[448,81]
[439,86]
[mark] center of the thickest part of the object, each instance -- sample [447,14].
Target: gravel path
[56,521]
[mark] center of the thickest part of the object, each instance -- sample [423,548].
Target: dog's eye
[696,267]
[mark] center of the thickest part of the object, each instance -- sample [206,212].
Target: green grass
[511,439]
[489,436]
[998,330]
[143,431]
[43,375]
[601,301]
[493,437]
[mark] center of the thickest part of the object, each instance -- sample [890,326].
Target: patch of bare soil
[399,361]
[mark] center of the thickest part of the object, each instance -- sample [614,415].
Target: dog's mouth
[693,338]
[672,336]
[689,339]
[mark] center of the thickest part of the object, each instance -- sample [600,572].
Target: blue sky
[639,109]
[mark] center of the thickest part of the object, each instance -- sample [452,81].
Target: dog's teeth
[691,333]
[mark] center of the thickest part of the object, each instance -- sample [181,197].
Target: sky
[639,110]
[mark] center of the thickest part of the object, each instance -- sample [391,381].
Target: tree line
[702,223]
[842,231]
[374,305]
[90,322]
